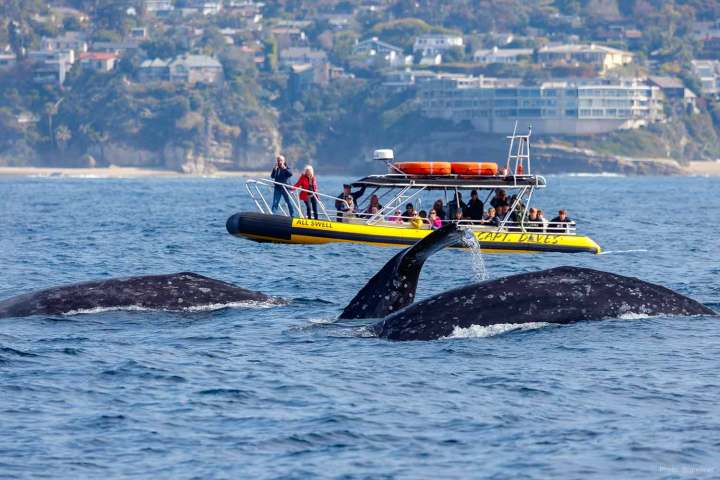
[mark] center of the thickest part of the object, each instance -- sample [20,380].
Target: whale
[558,295]
[184,291]
[394,286]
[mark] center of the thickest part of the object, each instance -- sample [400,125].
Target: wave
[480,331]
[614,252]
[593,174]
[210,307]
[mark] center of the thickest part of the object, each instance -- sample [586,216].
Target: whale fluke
[558,295]
[175,292]
[393,287]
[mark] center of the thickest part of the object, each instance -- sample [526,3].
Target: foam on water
[479,331]
[210,307]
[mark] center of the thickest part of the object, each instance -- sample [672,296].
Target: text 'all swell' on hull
[263,227]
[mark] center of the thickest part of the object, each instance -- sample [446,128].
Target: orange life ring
[424,168]
[474,168]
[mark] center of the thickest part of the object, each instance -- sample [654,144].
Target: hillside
[112,104]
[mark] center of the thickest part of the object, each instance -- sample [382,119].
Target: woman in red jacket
[307,182]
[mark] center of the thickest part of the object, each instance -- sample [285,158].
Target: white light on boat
[383,154]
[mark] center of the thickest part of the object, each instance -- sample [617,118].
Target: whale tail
[393,287]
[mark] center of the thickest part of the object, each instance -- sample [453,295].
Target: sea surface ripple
[285,392]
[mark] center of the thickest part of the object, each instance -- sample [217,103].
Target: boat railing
[253,187]
[386,217]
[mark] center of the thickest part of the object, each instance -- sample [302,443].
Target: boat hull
[262,227]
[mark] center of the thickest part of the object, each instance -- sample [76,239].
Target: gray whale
[558,295]
[394,286]
[175,292]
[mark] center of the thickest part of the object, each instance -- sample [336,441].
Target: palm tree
[63,136]
[51,109]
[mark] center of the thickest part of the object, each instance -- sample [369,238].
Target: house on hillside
[502,55]
[709,73]
[155,70]
[74,41]
[119,48]
[196,69]
[286,37]
[433,44]
[7,61]
[376,53]
[674,89]
[98,61]
[159,7]
[602,57]
[299,55]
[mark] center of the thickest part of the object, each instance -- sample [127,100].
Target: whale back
[394,286]
[558,295]
[174,292]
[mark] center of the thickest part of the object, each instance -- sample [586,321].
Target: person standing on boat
[308,184]
[475,207]
[281,174]
[342,206]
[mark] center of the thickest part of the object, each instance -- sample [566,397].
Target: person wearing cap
[475,207]
[561,223]
[281,174]
[342,204]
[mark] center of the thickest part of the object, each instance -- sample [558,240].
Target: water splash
[476,257]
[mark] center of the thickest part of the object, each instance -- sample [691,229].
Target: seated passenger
[532,223]
[490,215]
[435,221]
[438,206]
[374,203]
[475,207]
[561,223]
[395,217]
[543,223]
[458,215]
[499,199]
[456,204]
[409,212]
[416,221]
[423,215]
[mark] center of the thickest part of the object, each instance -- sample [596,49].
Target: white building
[436,43]
[159,7]
[579,107]
[74,41]
[709,73]
[502,55]
[601,56]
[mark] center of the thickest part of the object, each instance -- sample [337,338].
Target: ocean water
[287,392]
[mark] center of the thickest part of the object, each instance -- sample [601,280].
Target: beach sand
[704,168]
[112,172]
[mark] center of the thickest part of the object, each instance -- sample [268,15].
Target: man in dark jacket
[281,174]
[342,206]
[456,204]
[561,223]
[475,207]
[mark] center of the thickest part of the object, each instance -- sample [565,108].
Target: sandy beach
[704,168]
[113,172]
